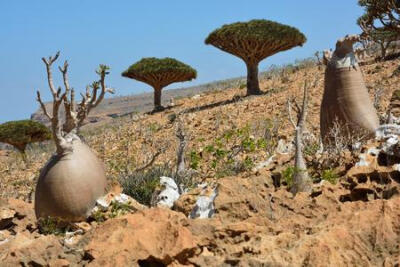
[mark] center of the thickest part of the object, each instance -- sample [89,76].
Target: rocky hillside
[236,209]
[123,106]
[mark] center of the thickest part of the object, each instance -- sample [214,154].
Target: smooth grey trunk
[301,180]
[253,87]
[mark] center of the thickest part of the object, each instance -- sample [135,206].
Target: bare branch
[48,62]
[43,106]
[91,100]
[64,71]
[289,106]
[149,163]
[304,108]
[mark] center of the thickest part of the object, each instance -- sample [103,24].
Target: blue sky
[120,32]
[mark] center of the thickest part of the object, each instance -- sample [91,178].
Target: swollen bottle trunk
[69,185]
[346,97]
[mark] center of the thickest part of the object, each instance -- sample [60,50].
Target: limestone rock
[152,236]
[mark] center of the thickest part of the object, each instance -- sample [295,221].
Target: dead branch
[149,163]
[73,118]
[61,144]
[90,100]
[180,154]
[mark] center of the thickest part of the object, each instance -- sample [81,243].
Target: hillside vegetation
[216,122]
[239,154]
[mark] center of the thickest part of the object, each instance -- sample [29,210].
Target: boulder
[154,236]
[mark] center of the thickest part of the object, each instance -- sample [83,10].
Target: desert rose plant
[73,178]
[345,99]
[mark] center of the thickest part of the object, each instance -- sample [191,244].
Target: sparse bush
[52,226]
[311,149]
[287,175]
[232,152]
[98,216]
[329,175]
[141,185]
[118,209]
[194,160]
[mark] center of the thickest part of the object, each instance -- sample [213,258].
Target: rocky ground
[350,219]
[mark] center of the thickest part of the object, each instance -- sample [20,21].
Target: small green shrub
[329,175]
[141,185]
[311,149]
[52,226]
[194,160]
[118,209]
[287,175]
[248,163]
[98,216]
[154,127]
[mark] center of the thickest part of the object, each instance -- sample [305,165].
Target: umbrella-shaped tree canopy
[21,133]
[253,41]
[160,72]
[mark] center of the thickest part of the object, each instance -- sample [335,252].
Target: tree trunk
[253,87]
[157,99]
[301,181]
[383,51]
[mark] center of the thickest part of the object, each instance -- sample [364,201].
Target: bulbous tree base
[70,184]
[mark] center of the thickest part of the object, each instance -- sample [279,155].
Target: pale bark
[301,180]
[73,118]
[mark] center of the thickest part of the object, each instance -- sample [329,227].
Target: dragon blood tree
[73,178]
[345,99]
[158,73]
[254,41]
[380,13]
[21,133]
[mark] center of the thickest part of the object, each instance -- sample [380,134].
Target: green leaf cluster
[258,30]
[160,71]
[262,37]
[21,133]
